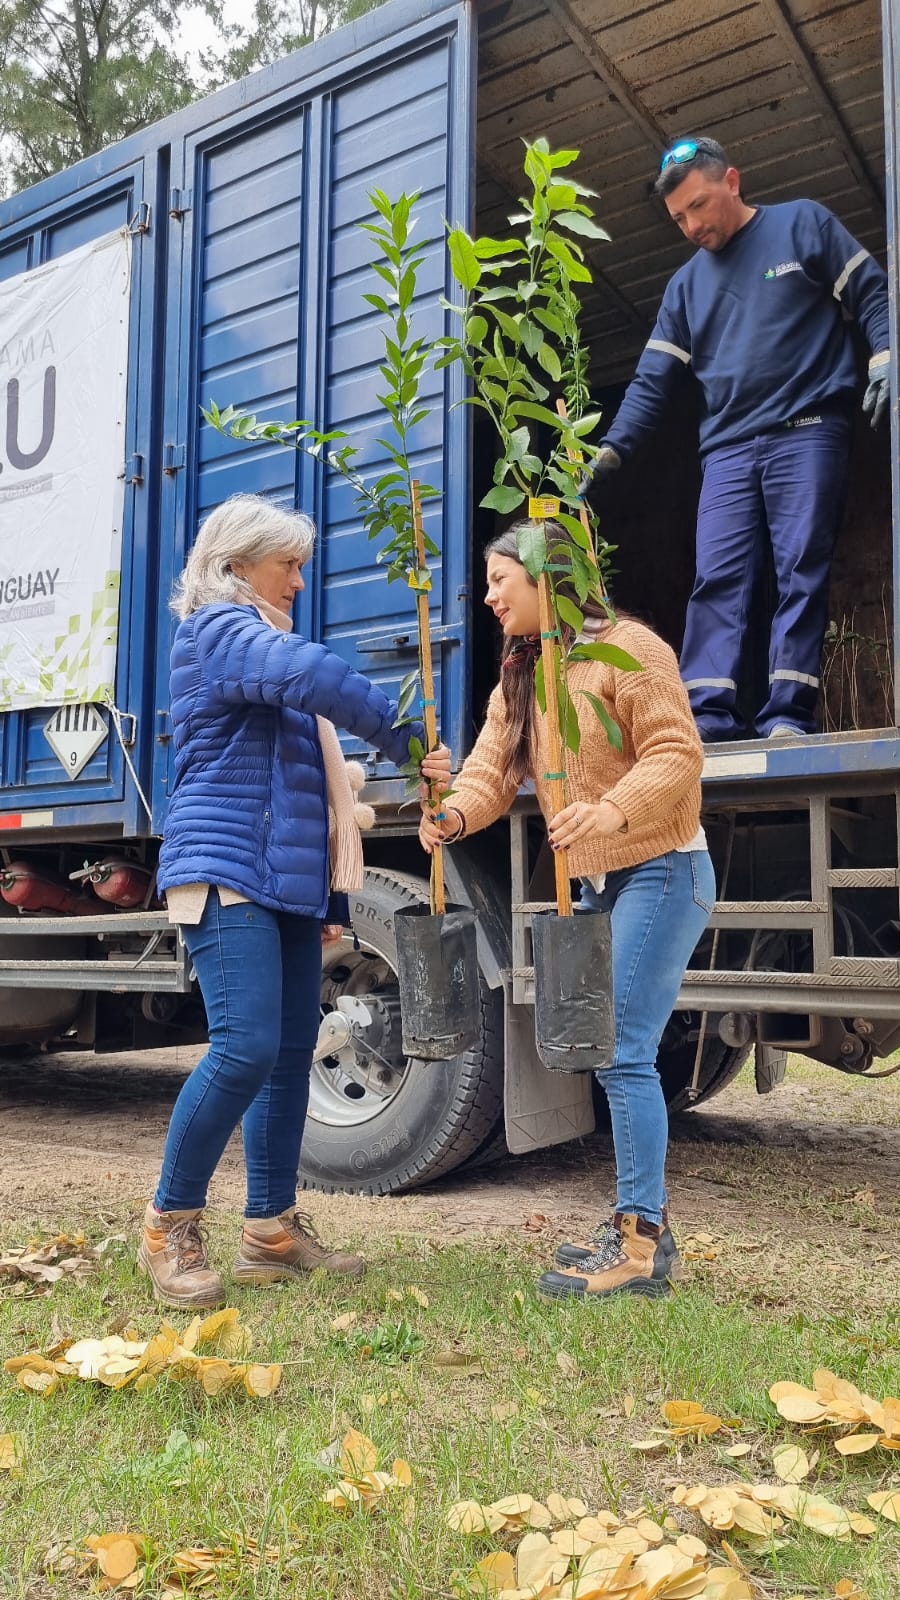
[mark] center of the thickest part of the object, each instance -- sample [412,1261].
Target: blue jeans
[658,909]
[259,973]
[786,488]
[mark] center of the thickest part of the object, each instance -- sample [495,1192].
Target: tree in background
[76,75]
[278,27]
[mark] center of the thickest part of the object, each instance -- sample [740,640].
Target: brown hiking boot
[172,1255]
[295,1250]
[631,1259]
[572,1254]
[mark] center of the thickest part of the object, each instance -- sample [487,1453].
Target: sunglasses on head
[684,151]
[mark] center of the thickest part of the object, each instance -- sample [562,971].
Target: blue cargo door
[33,780]
[404,127]
[266,311]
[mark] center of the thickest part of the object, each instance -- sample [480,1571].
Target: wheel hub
[361,1038]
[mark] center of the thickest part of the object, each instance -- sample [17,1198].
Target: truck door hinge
[133,471]
[180,201]
[173,458]
[163,727]
[140,221]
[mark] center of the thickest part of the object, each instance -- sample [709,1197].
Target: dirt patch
[81,1136]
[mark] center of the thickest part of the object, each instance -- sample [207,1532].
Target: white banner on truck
[63,375]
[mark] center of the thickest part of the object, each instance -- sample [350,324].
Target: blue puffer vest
[249,809]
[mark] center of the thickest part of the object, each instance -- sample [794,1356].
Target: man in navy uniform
[758,315]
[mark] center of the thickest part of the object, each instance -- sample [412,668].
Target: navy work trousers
[789,486]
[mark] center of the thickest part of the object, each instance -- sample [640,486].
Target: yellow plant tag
[546,507]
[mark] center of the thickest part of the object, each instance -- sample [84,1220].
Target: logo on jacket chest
[782,270]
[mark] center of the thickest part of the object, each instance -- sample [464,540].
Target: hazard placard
[74,733]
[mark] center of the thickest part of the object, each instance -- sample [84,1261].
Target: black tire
[440,1113]
[720,1063]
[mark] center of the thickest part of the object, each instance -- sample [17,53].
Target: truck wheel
[720,1063]
[379,1122]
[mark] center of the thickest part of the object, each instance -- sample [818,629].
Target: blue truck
[236,272]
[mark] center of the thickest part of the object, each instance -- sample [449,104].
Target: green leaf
[464,263]
[407,694]
[503,498]
[577,222]
[549,320]
[613,731]
[532,545]
[518,445]
[587,423]
[612,654]
[575,527]
[549,360]
[540,691]
[527,408]
[568,611]
[486,248]
[532,337]
[570,729]
[572,267]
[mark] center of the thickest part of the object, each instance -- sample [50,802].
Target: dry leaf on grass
[362,1482]
[759,1509]
[116,1361]
[36,1267]
[834,1402]
[566,1363]
[460,1363]
[410,1292]
[791,1464]
[603,1558]
[117,1557]
[687,1417]
[887,1503]
[12,1454]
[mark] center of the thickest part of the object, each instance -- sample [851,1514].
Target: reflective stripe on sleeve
[854,262]
[710,683]
[667,349]
[785,675]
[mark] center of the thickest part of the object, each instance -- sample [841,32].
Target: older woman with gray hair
[249,864]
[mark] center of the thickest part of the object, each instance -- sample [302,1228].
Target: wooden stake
[557,781]
[429,709]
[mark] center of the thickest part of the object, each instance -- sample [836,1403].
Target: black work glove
[607,461]
[877,396]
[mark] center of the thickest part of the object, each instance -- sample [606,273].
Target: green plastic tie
[549,776]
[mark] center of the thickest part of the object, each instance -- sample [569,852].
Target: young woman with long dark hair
[632,830]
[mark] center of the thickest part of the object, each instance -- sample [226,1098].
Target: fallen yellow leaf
[11,1452]
[262,1381]
[496,1571]
[791,1463]
[857,1444]
[887,1503]
[358,1454]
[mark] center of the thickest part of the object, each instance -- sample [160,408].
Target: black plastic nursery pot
[437,968]
[574,1022]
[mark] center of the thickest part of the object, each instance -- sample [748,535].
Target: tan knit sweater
[655,781]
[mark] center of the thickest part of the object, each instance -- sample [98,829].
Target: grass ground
[553,1398]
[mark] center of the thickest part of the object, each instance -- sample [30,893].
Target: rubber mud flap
[437,970]
[574,1023]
